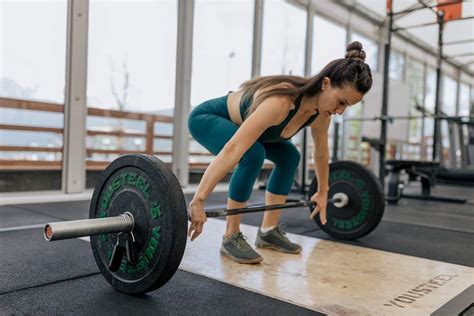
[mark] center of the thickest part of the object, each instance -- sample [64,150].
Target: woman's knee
[246,173]
[288,157]
[195,121]
[255,155]
[293,156]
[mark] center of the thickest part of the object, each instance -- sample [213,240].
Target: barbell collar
[340,200]
[89,227]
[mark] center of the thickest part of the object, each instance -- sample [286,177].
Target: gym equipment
[429,172]
[138,218]
[426,171]
[366,205]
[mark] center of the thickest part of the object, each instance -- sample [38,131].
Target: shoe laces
[242,242]
[281,232]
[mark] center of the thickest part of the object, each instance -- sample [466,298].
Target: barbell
[138,218]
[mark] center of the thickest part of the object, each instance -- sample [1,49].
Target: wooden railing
[91,164]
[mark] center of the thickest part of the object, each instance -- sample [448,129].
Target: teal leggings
[210,125]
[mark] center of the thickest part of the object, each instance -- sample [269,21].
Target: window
[397,64]
[430,99]
[284,33]
[131,70]
[415,79]
[33,65]
[464,100]
[222,47]
[329,43]
[448,105]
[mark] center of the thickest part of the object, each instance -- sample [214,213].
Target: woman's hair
[349,70]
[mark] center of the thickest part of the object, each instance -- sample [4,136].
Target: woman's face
[334,100]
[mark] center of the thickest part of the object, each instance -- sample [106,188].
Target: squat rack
[440,14]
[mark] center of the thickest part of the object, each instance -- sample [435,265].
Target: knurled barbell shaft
[253,209]
[88,227]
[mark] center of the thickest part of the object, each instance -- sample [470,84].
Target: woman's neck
[309,104]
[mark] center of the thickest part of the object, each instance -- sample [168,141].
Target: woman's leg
[213,132]
[234,244]
[271,218]
[233,222]
[286,158]
[242,182]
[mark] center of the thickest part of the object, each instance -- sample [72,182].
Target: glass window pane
[415,79]
[449,96]
[448,107]
[132,54]
[131,70]
[397,62]
[33,58]
[464,100]
[430,98]
[222,47]
[283,48]
[329,43]
[32,80]
[472,101]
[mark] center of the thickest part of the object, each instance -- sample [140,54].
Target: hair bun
[354,50]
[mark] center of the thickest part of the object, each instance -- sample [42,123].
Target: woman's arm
[272,111]
[319,131]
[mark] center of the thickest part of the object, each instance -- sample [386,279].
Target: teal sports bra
[272,134]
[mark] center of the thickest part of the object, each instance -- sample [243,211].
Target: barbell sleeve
[89,227]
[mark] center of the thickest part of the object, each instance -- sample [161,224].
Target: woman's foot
[236,248]
[276,239]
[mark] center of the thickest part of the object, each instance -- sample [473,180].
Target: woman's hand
[321,199]
[198,218]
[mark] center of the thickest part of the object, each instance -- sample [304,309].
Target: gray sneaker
[236,248]
[276,239]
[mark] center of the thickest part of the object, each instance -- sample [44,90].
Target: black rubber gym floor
[61,278]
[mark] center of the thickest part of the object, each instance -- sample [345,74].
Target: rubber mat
[28,260]
[184,294]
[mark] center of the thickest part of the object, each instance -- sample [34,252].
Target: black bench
[426,171]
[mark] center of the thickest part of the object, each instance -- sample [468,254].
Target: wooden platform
[333,278]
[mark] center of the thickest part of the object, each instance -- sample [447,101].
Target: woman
[255,123]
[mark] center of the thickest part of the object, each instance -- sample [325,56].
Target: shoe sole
[240,260]
[266,245]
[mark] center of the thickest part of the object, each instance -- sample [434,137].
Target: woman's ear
[326,83]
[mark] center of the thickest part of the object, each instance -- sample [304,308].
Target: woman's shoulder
[277,107]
